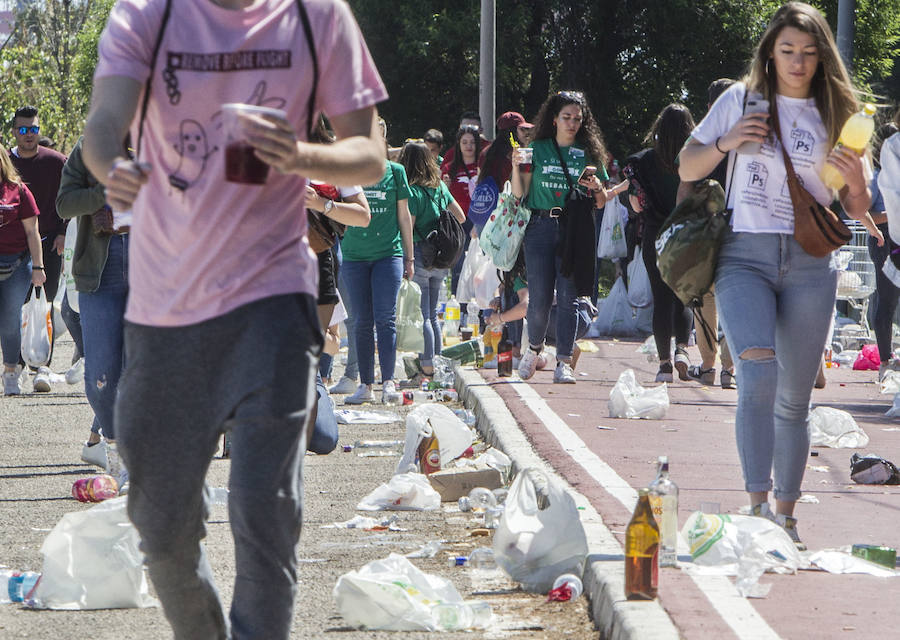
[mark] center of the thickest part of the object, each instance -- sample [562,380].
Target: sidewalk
[607,466]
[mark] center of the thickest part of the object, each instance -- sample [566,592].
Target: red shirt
[42,174]
[16,204]
[460,183]
[501,171]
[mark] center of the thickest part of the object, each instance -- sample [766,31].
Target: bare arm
[456,210]
[697,160]
[353,211]
[38,277]
[404,221]
[635,203]
[855,195]
[520,181]
[512,314]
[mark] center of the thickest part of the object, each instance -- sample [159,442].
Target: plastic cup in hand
[241,163]
[524,159]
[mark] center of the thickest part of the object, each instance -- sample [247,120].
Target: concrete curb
[604,574]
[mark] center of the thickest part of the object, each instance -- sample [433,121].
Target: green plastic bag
[410,335]
[687,247]
[504,231]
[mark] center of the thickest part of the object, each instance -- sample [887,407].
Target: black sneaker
[665,372]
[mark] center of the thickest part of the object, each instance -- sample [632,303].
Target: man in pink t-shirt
[222,332]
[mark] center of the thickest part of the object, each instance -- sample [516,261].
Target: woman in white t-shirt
[775,300]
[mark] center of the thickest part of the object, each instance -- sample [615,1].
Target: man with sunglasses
[41,169]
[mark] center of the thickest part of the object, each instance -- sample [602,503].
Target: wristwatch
[329,205]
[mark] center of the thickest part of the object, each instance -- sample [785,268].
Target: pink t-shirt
[201,246]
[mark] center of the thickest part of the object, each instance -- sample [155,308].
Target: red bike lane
[697,435]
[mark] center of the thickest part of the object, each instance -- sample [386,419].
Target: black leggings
[669,314]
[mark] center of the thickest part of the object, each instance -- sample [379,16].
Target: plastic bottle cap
[869,109]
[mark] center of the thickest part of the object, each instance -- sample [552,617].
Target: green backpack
[687,247]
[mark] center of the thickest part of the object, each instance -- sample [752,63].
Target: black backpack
[442,247]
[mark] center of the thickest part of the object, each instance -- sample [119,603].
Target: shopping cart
[856,283]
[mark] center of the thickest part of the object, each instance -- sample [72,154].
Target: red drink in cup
[241,163]
[524,160]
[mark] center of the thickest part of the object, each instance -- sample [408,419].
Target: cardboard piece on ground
[452,484]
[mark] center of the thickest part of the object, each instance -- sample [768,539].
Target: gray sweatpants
[251,371]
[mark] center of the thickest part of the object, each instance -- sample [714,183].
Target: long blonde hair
[8,171]
[831,85]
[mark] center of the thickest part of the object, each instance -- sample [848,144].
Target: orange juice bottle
[855,135]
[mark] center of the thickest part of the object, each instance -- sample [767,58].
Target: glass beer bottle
[504,356]
[642,551]
[664,502]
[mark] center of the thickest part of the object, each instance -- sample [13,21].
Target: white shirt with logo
[759,196]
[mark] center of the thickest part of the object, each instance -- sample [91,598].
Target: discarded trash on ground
[367,524]
[649,347]
[355,416]
[394,595]
[830,427]
[836,561]
[95,489]
[808,499]
[92,561]
[894,411]
[872,469]
[885,556]
[890,383]
[435,421]
[540,535]
[403,492]
[868,359]
[427,550]
[628,399]
[453,484]
[565,588]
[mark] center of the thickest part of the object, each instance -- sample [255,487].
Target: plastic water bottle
[456,616]
[16,585]
[451,318]
[566,587]
[664,502]
[855,135]
[482,558]
[479,500]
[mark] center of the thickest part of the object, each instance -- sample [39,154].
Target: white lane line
[737,613]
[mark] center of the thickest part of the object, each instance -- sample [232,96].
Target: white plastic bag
[639,293]
[92,561]
[409,321]
[615,316]
[628,399]
[475,258]
[393,595]
[612,231]
[724,541]
[540,535]
[68,258]
[36,329]
[830,427]
[890,383]
[454,437]
[894,411]
[403,492]
[485,283]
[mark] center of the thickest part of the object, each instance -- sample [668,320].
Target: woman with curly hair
[565,139]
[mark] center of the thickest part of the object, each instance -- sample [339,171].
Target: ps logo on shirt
[802,142]
[758,175]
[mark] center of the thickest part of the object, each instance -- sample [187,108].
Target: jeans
[773,295]
[669,314]
[352,369]
[429,281]
[372,287]
[103,315]
[513,329]
[542,267]
[12,293]
[323,437]
[250,371]
[72,320]
[884,300]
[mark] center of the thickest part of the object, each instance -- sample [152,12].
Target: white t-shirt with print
[759,196]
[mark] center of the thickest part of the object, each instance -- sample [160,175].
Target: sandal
[727,380]
[701,375]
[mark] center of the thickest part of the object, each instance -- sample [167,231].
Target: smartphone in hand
[755,104]
[587,173]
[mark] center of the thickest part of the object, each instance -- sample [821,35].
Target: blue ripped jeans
[103,322]
[772,295]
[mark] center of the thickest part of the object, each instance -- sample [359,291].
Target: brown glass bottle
[504,356]
[642,552]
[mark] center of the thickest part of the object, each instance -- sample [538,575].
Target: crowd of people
[218,277]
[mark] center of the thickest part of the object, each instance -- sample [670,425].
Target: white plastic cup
[573,581]
[241,164]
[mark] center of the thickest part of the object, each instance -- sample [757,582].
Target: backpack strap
[311,103]
[149,83]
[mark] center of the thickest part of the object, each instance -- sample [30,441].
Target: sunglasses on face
[32,129]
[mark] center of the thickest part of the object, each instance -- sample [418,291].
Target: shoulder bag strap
[311,104]
[732,164]
[788,165]
[149,83]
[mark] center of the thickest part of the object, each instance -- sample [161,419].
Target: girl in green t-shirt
[429,196]
[565,134]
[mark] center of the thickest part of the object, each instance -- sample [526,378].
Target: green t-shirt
[426,205]
[548,183]
[382,237]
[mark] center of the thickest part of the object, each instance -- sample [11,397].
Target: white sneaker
[11,383]
[75,374]
[389,393]
[42,380]
[528,364]
[96,454]
[563,374]
[344,385]
[542,361]
[117,470]
[362,394]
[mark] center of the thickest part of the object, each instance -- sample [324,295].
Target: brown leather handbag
[817,229]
